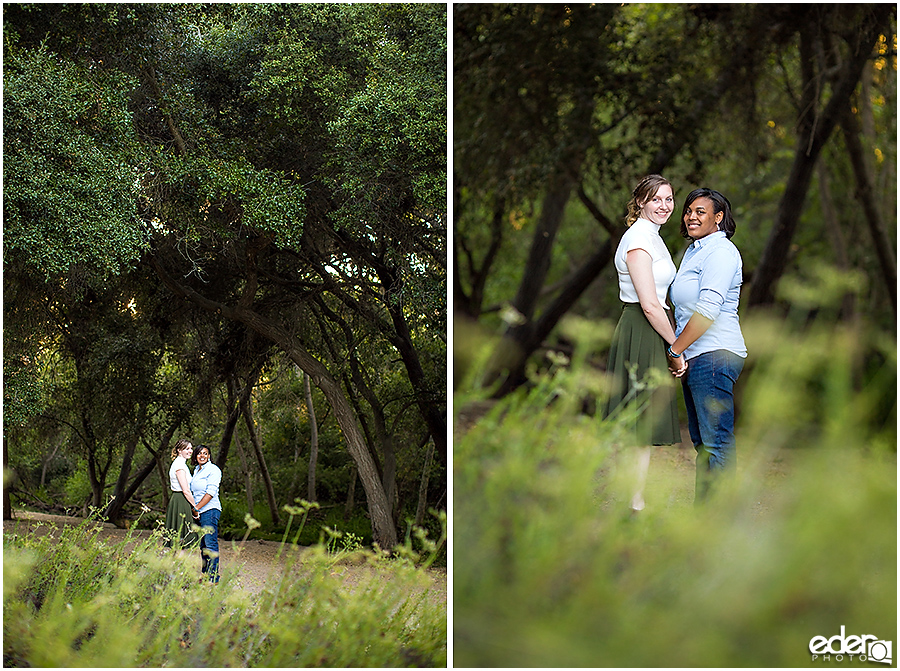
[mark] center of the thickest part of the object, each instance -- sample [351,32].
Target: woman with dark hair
[705,294]
[181,511]
[205,488]
[645,271]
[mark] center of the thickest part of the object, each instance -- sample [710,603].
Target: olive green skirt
[642,390]
[179,521]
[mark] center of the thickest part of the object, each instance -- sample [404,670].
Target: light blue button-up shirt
[206,480]
[709,282]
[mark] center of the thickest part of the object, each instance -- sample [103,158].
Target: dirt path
[252,560]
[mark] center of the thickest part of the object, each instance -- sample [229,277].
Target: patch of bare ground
[255,562]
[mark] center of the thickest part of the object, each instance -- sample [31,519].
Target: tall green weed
[551,570]
[73,600]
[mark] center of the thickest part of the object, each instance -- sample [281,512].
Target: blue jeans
[709,398]
[209,543]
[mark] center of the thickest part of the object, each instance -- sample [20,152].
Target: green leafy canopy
[69,180]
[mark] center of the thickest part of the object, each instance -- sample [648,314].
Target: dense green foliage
[551,571]
[69,176]
[71,600]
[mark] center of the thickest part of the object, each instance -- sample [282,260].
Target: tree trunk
[113,511]
[7,500]
[865,194]
[95,473]
[834,232]
[382,439]
[507,361]
[313,442]
[538,264]
[350,504]
[478,272]
[423,483]
[261,460]
[97,484]
[235,404]
[574,287]
[138,480]
[164,479]
[389,475]
[46,463]
[248,482]
[427,399]
[379,509]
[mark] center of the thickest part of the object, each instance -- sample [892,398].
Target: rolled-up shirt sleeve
[710,303]
[716,277]
[212,483]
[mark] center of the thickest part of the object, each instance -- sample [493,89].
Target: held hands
[677,365]
[677,362]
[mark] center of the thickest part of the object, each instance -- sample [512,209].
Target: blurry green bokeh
[550,570]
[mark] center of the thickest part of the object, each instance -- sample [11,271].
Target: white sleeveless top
[179,463]
[644,234]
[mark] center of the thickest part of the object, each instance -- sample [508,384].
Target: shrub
[70,600]
[77,488]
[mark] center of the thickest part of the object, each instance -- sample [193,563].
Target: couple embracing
[195,501]
[704,348]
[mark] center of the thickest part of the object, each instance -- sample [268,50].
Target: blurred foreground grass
[72,600]
[550,571]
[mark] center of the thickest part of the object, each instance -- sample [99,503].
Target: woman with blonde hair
[182,510]
[644,331]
